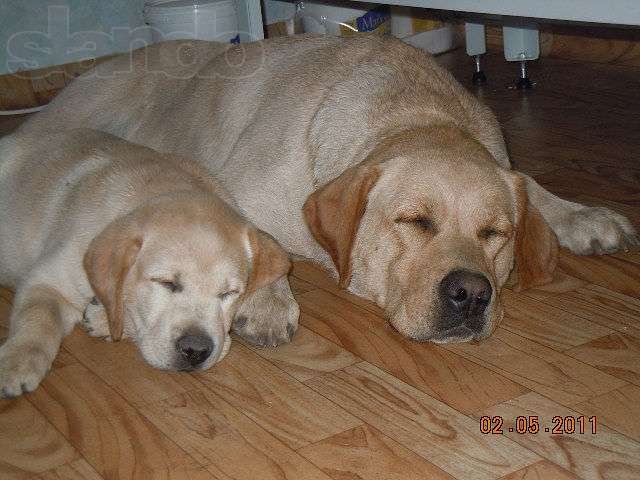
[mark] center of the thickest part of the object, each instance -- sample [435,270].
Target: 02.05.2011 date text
[560,425]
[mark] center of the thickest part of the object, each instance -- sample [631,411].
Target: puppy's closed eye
[174,286]
[228,294]
[489,233]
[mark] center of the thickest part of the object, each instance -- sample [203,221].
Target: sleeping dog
[84,213]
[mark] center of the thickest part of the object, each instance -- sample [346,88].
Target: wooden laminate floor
[352,399]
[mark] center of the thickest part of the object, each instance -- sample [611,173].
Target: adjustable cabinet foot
[524,82]
[479,78]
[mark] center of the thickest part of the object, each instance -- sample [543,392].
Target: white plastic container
[412,27]
[325,17]
[435,41]
[198,19]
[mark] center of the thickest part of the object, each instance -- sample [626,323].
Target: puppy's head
[429,226]
[174,272]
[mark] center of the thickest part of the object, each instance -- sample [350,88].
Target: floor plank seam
[445,405]
[242,411]
[128,403]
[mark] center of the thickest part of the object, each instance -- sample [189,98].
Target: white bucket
[198,19]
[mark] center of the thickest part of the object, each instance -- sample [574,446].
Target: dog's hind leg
[582,229]
[41,317]
[269,316]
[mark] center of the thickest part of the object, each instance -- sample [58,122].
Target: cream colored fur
[277,120]
[88,195]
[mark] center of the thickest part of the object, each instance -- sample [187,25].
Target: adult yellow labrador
[361,154]
[167,257]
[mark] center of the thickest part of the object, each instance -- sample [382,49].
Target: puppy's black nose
[194,348]
[465,294]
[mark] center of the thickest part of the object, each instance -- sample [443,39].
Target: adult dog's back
[303,108]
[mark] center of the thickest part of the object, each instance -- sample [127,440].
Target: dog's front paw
[269,317]
[22,368]
[264,332]
[94,320]
[595,231]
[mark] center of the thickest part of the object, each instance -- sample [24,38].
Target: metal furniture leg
[476,46]
[521,44]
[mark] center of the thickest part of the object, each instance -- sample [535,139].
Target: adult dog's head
[430,227]
[173,273]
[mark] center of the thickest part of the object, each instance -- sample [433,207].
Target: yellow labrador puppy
[84,213]
[359,153]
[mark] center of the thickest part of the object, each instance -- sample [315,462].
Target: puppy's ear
[269,260]
[107,261]
[334,211]
[536,246]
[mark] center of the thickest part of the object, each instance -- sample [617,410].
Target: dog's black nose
[194,348]
[465,296]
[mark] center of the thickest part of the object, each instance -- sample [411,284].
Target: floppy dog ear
[334,211]
[269,260]
[536,246]
[107,261]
